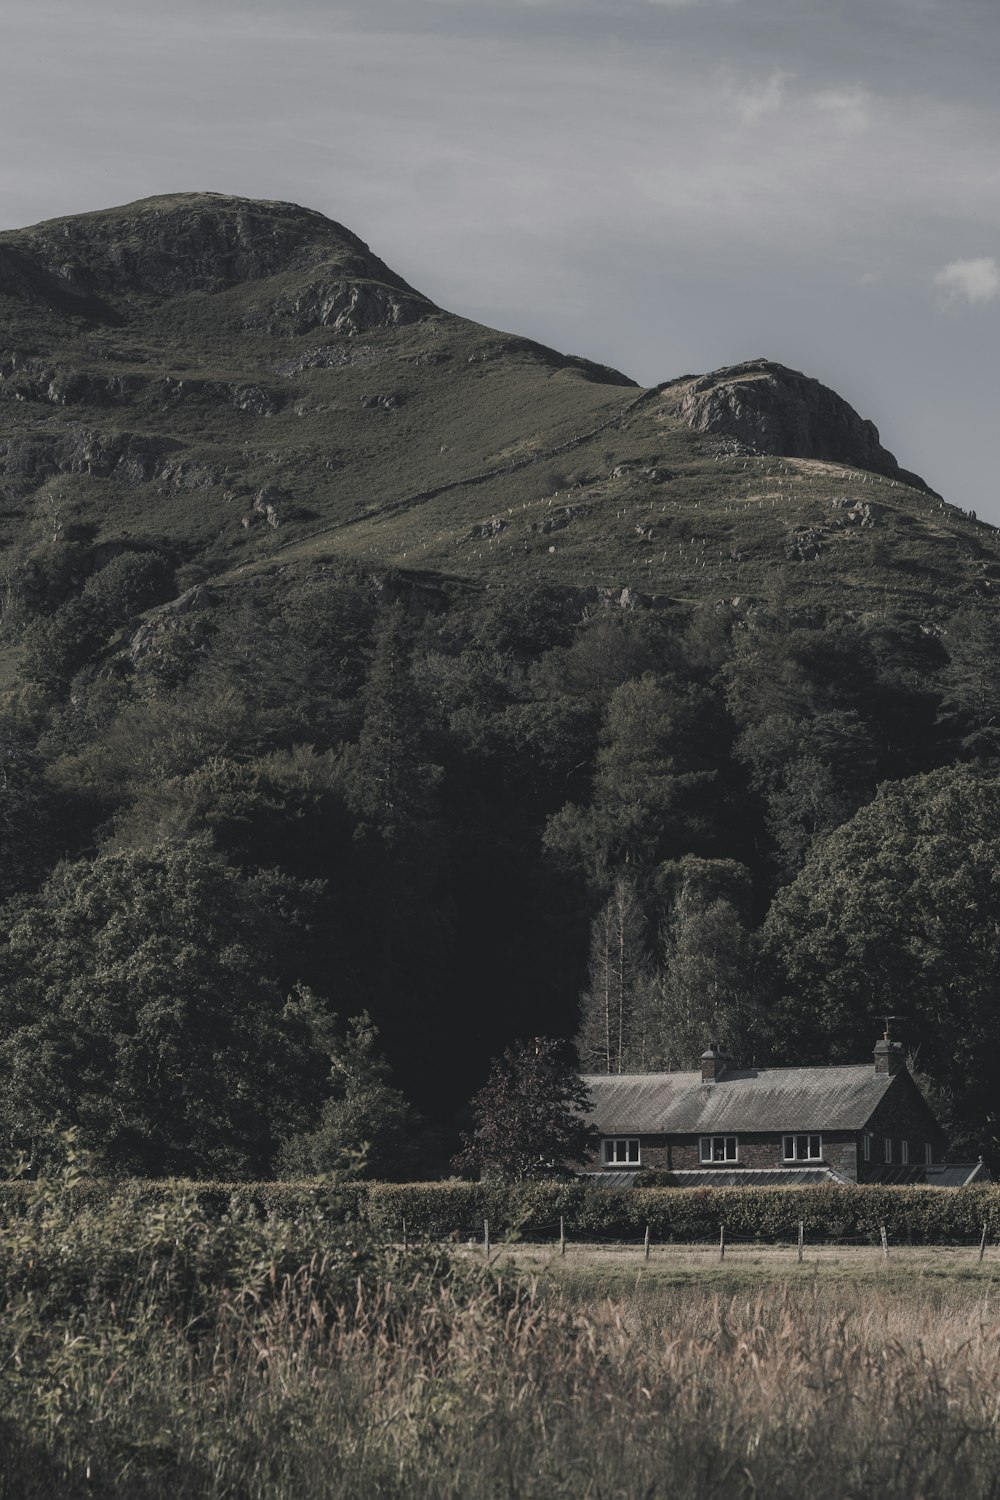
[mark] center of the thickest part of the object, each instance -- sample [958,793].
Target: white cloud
[974,280]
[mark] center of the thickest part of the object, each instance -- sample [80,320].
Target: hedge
[317,1199]
[455,1209]
[921,1214]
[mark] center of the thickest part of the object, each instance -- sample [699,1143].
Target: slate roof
[747,1099]
[940,1174]
[755,1177]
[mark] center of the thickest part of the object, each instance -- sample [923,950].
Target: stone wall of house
[903,1115]
[682,1153]
[766,1152]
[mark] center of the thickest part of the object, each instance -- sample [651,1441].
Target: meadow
[152,1351]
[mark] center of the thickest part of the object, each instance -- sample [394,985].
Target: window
[803,1147]
[904,1152]
[888,1148]
[621,1151]
[929,1154]
[717,1148]
[866,1147]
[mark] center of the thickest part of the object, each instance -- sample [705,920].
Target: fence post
[645,1244]
[562,1235]
[722,1241]
[982,1243]
[486,1239]
[885,1242]
[404,1231]
[802,1235]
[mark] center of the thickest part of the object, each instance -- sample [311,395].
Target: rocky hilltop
[767,408]
[200,242]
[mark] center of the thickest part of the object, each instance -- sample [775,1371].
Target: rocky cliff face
[768,408]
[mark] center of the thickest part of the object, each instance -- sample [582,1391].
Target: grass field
[153,1353]
[588,1272]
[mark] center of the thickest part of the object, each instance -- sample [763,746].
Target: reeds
[421,1390]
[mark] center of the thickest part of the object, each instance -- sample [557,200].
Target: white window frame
[621,1151]
[904,1152]
[888,1151]
[866,1146]
[714,1150]
[802,1146]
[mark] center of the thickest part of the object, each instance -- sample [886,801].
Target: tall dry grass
[421,1391]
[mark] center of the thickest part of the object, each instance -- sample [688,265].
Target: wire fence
[563,1236]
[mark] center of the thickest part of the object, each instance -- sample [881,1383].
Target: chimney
[713,1063]
[889,1058]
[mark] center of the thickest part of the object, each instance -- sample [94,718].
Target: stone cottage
[856,1122]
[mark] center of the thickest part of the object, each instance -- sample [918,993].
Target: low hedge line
[923,1215]
[334,1202]
[454,1209]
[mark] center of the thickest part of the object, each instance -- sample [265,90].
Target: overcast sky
[663,185]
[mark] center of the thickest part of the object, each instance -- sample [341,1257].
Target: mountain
[246,381]
[457,634]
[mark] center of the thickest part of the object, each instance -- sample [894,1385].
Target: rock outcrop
[208,242]
[766,408]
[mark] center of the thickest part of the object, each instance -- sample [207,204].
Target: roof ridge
[770,1068]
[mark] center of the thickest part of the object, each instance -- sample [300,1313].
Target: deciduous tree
[897,911]
[363,1116]
[141,1000]
[529,1116]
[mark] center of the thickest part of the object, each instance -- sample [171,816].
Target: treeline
[288,862]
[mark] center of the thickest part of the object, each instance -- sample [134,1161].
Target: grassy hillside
[165,364]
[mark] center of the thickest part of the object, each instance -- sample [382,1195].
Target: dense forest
[297,834]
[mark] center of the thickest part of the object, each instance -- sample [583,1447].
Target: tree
[363,1115]
[812,773]
[644,801]
[969,714]
[392,784]
[611,1007]
[897,912]
[142,1000]
[529,1115]
[34,818]
[604,653]
[705,991]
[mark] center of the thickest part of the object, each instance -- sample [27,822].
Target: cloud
[848,109]
[973,280]
[761,99]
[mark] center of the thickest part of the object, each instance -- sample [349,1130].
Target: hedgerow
[457,1210]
